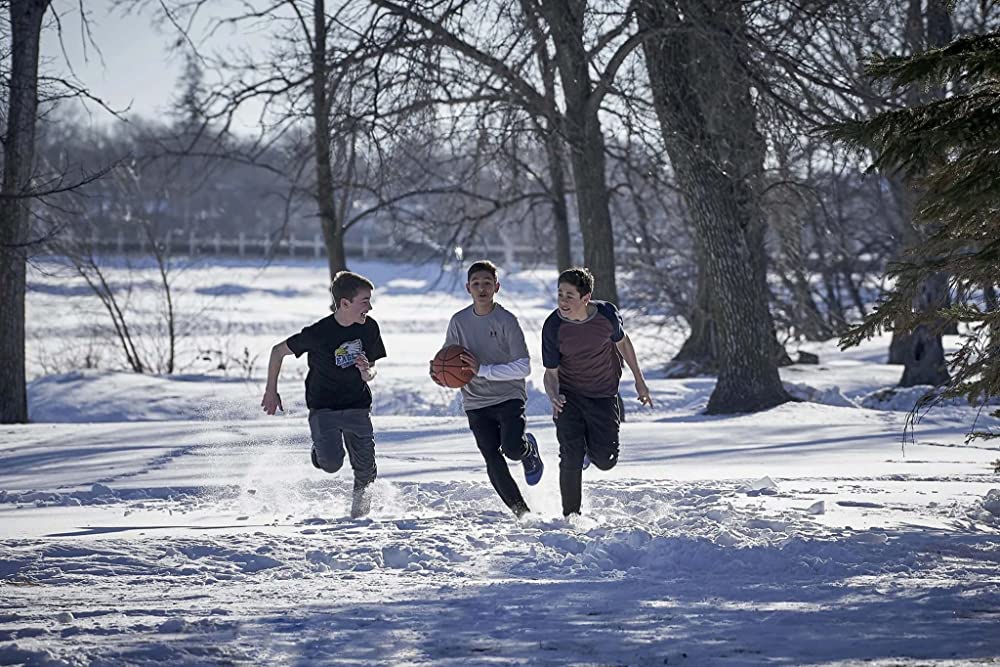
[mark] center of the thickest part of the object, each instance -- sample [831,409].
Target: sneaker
[361,503]
[520,509]
[532,461]
[586,461]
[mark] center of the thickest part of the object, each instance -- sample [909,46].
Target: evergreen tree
[950,148]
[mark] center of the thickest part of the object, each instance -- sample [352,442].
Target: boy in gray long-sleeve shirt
[494,399]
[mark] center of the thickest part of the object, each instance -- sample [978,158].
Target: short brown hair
[579,277]
[346,285]
[482,265]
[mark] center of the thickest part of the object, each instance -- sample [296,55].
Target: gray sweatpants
[332,430]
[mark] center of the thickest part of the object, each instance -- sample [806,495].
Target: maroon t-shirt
[584,351]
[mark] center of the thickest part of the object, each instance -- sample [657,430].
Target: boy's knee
[328,464]
[605,463]
[514,451]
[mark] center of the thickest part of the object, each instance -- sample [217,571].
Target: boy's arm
[520,367]
[514,370]
[551,383]
[365,363]
[628,354]
[451,335]
[272,401]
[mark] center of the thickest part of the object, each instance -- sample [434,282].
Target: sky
[133,70]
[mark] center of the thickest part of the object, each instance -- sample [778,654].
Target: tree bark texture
[548,129]
[560,214]
[15,205]
[582,129]
[330,222]
[701,94]
[699,355]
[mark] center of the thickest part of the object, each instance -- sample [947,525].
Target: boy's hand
[361,361]
[470,362]
[363,365]
[558,403]
[271,402]
[643,391]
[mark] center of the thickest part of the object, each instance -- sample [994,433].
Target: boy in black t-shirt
[343,349]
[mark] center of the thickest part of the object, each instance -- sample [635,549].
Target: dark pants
[332,430]
[585,426]
[499,432]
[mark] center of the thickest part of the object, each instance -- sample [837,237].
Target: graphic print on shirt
[348,352]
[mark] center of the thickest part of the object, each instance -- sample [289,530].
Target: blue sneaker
[586,461]
[532,461]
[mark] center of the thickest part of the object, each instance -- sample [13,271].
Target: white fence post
[317,246]
[242,244]
[291,245]
[218,243]
[192,244]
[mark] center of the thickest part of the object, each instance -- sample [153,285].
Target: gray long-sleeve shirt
[498,343]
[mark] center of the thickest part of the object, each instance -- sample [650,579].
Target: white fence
[244,245]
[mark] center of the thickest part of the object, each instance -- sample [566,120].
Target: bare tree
[318,74]
[15,200]
[583,40]
[697,70]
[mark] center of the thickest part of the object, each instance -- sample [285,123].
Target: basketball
[447,367]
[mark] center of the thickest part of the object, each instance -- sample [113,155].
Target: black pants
[499,432]
[585,426]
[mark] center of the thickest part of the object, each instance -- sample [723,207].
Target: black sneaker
[532,461]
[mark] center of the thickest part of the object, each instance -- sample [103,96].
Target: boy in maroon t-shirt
[583,345]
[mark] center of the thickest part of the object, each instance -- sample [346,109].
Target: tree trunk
[585,138]
[921,351]
[702,99]
[15,205]
[593,205]
[699,355]
[548,128]
[560,214]
[332,225]
[923,361]
[904,199]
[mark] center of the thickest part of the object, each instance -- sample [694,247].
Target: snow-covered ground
[165,520]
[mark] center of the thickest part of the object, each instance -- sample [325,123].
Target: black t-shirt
[334,382]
